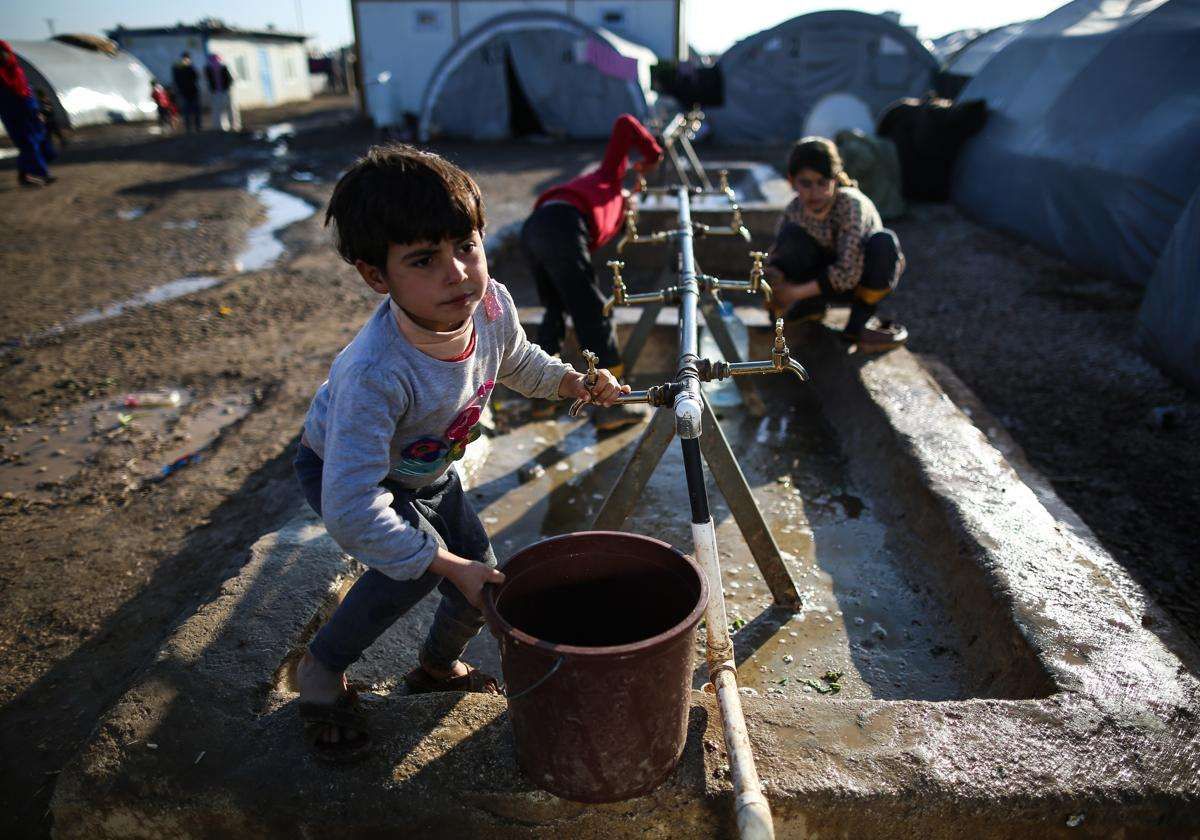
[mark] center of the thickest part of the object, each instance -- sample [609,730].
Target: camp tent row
[569,72]
[1091,151]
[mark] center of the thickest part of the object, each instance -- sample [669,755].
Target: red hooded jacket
[597,194]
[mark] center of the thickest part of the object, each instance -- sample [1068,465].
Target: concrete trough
[762,194]
[1007,678]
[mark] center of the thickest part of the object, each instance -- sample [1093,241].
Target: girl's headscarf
[12,75]
[214,61]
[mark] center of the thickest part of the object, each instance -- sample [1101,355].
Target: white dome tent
[536,73]
[88,87]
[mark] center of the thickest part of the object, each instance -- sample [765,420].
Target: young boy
[400,406]
[569,222]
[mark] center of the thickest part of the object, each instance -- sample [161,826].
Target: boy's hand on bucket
[468,575]
[604,392]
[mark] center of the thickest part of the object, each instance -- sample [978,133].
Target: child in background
[399,408]
[168,113]
[832,247]
[569,222]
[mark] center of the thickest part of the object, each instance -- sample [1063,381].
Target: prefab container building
[268,67]
[405,46]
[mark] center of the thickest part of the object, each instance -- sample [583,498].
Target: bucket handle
[514,697]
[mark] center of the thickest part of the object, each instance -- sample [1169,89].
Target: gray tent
[536,73]
[1090,148]
[88,87]
[964,61]
[970,57]
[1169,323]
[779,82]
[950,43]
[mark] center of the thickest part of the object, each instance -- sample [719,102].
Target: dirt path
[96,568]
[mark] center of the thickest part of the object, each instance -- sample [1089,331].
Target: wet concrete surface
[865,614]
[206,742]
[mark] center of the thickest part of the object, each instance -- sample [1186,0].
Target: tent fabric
[873,162]
[775,77]
[1169,321]
[950,43]
[963,62]
[88,87]
[970,57]
[1090,144]
[576,80]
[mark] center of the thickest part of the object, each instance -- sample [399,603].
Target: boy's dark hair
[397,193]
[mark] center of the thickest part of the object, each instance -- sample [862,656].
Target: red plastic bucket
[597,642]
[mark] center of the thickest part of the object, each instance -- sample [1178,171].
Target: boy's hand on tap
[604,392]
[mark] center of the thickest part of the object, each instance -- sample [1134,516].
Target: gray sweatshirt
[390,411]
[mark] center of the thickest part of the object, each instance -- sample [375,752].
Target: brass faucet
[781,362]
[754,285]
[758,279]
[631,232]
[723,184]
[618,295]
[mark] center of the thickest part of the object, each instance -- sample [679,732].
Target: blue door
[264,72]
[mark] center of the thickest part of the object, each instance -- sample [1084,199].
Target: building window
[289,69]
[239,68]
[613,17]
[427,20]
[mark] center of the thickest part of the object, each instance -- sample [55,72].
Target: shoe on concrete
[878,336]
[617,417]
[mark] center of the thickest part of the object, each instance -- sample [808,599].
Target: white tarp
[91,87]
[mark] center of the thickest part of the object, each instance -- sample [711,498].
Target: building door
[264,72]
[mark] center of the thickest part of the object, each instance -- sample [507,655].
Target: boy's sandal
[420,681]
[344,713]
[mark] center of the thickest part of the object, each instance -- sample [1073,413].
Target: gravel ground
[96,569]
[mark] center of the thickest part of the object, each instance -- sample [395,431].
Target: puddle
[167,291]
[861,616]
[304,177]
[283,209]
[37,459]
[277,131]
[262,249]
[131,214]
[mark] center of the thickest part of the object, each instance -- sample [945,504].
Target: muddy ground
[96,567]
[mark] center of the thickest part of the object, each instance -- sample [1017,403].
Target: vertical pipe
[751,809]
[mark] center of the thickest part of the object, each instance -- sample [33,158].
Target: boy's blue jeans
[376,601]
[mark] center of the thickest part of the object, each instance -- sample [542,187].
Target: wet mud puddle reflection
[140,440]
[862,617]
[262,249]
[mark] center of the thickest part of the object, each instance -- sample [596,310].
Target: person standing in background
[187,86]
[22,119]
[225,116]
